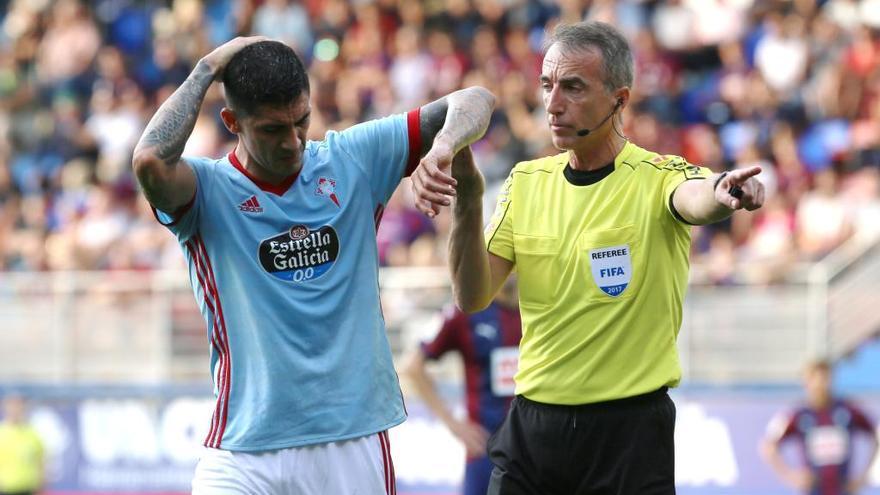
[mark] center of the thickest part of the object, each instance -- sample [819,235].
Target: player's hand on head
[472,435]
[432,181]
[221,55]
[739,189]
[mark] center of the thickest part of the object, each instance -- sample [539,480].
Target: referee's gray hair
[617,58]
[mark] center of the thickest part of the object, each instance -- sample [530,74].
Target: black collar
[586,177]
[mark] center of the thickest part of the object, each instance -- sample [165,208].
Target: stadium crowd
[792,85]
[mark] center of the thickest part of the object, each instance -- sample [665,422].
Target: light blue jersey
[287,280]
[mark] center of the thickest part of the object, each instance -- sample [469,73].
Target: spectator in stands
[823,219]
[285,20]
[798,81]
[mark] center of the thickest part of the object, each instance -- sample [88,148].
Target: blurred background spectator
[791,85]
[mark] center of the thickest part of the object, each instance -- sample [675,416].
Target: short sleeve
[386,150]
[860,420]
[449,338]
[499,230]
[782,426]
[676,171]
[184,222]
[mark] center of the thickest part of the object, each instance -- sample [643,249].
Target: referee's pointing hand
[739,189]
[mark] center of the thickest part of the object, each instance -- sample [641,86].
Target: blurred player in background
[21,451]
[280,239]
[488,342]
[824,429]
[600,237]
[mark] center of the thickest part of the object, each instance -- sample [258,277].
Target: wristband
[718,180]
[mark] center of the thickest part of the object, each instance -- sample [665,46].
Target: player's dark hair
[617,58]
[264,73]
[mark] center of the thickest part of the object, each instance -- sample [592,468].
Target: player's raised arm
[447,125]
[167,185]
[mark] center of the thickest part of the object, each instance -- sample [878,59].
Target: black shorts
[622,447]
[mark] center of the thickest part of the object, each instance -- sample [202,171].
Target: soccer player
[22,453]
[599,236]
[824,429]
[488,342]
[280,239]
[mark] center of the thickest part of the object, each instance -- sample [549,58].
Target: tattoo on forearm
[466,122]
[462,117]
[173,123]
[431,120]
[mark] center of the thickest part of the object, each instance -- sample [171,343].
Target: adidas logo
[251,205]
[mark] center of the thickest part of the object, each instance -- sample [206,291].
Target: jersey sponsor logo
[611,268]
[251,205]
[300,254]
[327,187]
[827,445]
[503,365]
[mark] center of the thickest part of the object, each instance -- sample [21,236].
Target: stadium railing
[144,327]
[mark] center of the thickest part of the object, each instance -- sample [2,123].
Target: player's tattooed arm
[447,126]
[457,119]
[156,157]
[171,126]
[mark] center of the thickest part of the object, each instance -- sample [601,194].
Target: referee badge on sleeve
[611,268]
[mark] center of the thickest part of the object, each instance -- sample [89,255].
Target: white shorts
[359,466]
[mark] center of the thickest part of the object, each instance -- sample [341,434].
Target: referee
[599,236]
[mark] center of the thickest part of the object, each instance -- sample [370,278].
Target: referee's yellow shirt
[602,271]
[21,459]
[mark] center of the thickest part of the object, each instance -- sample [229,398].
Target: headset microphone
[586,132]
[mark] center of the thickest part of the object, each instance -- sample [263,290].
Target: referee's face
[274,137]
[575,96]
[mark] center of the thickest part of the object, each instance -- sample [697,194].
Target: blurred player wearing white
[280,239]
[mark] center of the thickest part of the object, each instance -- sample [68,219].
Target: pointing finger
[740,176]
